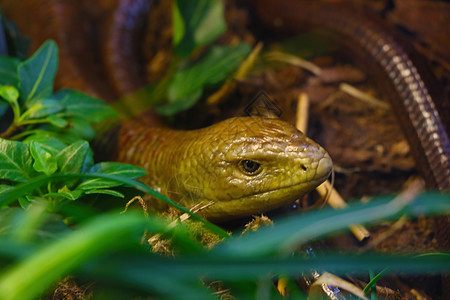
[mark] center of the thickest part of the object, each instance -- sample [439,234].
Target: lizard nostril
[304,168]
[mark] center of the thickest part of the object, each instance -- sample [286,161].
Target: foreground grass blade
[145,273]
[236,269]
[33,275]
[297,229]
[11,195]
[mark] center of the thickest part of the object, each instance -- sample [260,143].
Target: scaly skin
[205,165]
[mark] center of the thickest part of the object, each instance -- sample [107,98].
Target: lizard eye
[250,167]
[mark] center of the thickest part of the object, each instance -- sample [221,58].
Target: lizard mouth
[266,200]
[322,172]
[259,202]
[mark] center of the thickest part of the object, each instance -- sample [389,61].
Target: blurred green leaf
[57,121]
[16,162]
[37,73]
[34,216]
[17,43]
[32,276]
[23,202]
[4,187]
[41,107]
[166,283]
[292,231]
[43,161]
[8,219]
[188,84]
[83,106]
[236,268]
[66,193]
[218,63]
[178,25]
[177,106]
[8,71]
[9,93]
[112,168]
[81,128]
[197,23]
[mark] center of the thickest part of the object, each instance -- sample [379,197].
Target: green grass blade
[33,275]
[239,268]
[297,229]
[373,280]
[10,195]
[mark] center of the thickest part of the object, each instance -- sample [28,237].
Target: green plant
[106,249]
[54,129]
[197,63]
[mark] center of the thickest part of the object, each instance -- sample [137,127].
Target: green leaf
[48,143]
[83,106]
[8,219]
[42,107]
[178,25]
[107,192]
[34,217]
[219,63]
[43,161]
[9,93]
[57,121]
[199,23]
[38,72]
[17,43]
[16,162]
[23,202]
[111,168]
[65,192]
[10,195]
[172,108]
[75,158]
[4,187]
[8,70]
[47,130]
[81,128]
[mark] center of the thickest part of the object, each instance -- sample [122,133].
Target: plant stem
[8,131]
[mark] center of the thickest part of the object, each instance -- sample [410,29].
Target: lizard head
[249,165]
